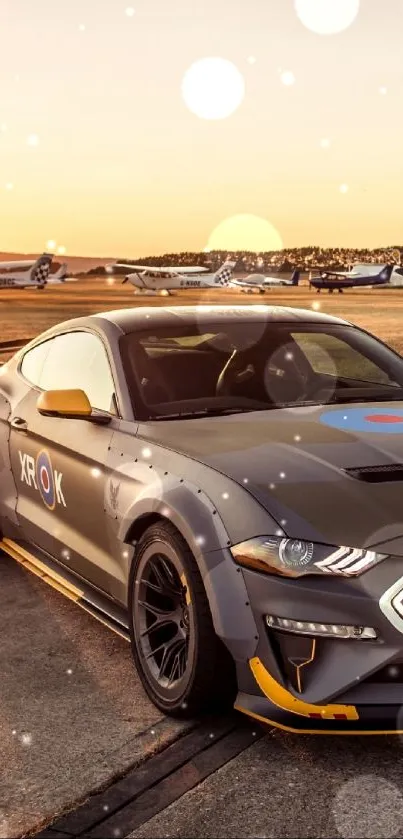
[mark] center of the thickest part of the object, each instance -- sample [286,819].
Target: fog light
[322,629]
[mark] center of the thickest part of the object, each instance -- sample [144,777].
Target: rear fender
[8,489]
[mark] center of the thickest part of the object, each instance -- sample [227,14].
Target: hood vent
[377,474]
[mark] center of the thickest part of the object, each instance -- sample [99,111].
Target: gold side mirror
[64,403]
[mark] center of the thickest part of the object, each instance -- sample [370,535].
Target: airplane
[396,279]
[35,274]
[360,275]
[26,273]
[259,283]
[60,274]
[150,280]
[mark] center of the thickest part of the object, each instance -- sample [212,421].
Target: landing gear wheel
[183,665]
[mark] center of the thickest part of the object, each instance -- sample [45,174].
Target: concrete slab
[73,713]
[293,787]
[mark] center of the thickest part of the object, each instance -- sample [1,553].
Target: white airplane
[150,280]
[31,273]
[27,273]
[259,283]
[60,274]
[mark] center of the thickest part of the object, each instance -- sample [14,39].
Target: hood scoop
[377,474]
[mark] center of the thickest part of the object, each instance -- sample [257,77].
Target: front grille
[377,474]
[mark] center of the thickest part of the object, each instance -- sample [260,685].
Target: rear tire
[184,667]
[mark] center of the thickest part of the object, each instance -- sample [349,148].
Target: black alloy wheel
[176,651]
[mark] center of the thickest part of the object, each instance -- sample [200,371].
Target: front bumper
[311,719]
[327,685]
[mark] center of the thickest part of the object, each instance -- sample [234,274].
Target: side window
[78,360]
[33,361]
[334,357]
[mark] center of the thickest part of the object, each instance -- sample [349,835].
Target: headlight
[297,558]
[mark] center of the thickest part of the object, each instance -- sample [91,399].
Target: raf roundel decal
[372,420]
[44,479]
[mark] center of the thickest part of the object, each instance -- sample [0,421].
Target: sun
[327,17]
[213,88]
[245,233]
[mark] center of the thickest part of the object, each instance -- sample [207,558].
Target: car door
[60,465]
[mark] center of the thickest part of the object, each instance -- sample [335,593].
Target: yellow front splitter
[278,707]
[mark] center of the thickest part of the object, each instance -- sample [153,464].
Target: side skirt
[80,592]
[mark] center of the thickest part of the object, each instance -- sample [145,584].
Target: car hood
[342,487]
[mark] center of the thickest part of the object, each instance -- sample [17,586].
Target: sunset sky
[115,141]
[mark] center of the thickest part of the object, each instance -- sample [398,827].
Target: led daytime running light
[321,629]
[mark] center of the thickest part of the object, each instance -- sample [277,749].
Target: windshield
[230,367]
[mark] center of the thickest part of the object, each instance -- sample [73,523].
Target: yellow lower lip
[281,697]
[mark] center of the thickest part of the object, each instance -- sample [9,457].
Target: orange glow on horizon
[123,137]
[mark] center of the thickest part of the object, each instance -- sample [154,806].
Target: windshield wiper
[345,395]
[206,412]
[367,395]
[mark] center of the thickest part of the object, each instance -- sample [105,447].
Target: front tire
[184,667]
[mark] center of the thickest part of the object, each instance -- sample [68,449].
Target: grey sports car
[223,486]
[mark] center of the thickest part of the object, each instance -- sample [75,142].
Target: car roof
[144,317]
[139,318]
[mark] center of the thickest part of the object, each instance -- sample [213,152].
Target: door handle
[19,424]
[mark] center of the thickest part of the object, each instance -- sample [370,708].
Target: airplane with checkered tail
[32,273]
[152,280]
[26,273]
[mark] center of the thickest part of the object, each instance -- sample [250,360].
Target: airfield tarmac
[24,314]
[73,714]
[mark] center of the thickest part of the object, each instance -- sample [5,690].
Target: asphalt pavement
[301,786]
[77,729]
[73,714]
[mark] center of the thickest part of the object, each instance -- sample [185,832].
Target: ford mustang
[222,486]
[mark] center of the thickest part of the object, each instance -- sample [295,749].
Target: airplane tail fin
[224,274]
[295,277]
[41,269]
[386,273]
[61,273]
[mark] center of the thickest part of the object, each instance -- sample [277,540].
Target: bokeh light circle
[279,370]
[245,232]
[213,88]
[327,17]
[368,806]
[288,78]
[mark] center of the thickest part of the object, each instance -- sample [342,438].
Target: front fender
[190,511]
[196,518]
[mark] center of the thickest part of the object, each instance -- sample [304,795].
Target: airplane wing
[356,271]
[130,267]
[149,269]
[24,263]
[245,284]
[337,275]
[160,269]
[194,269]
[21,263]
